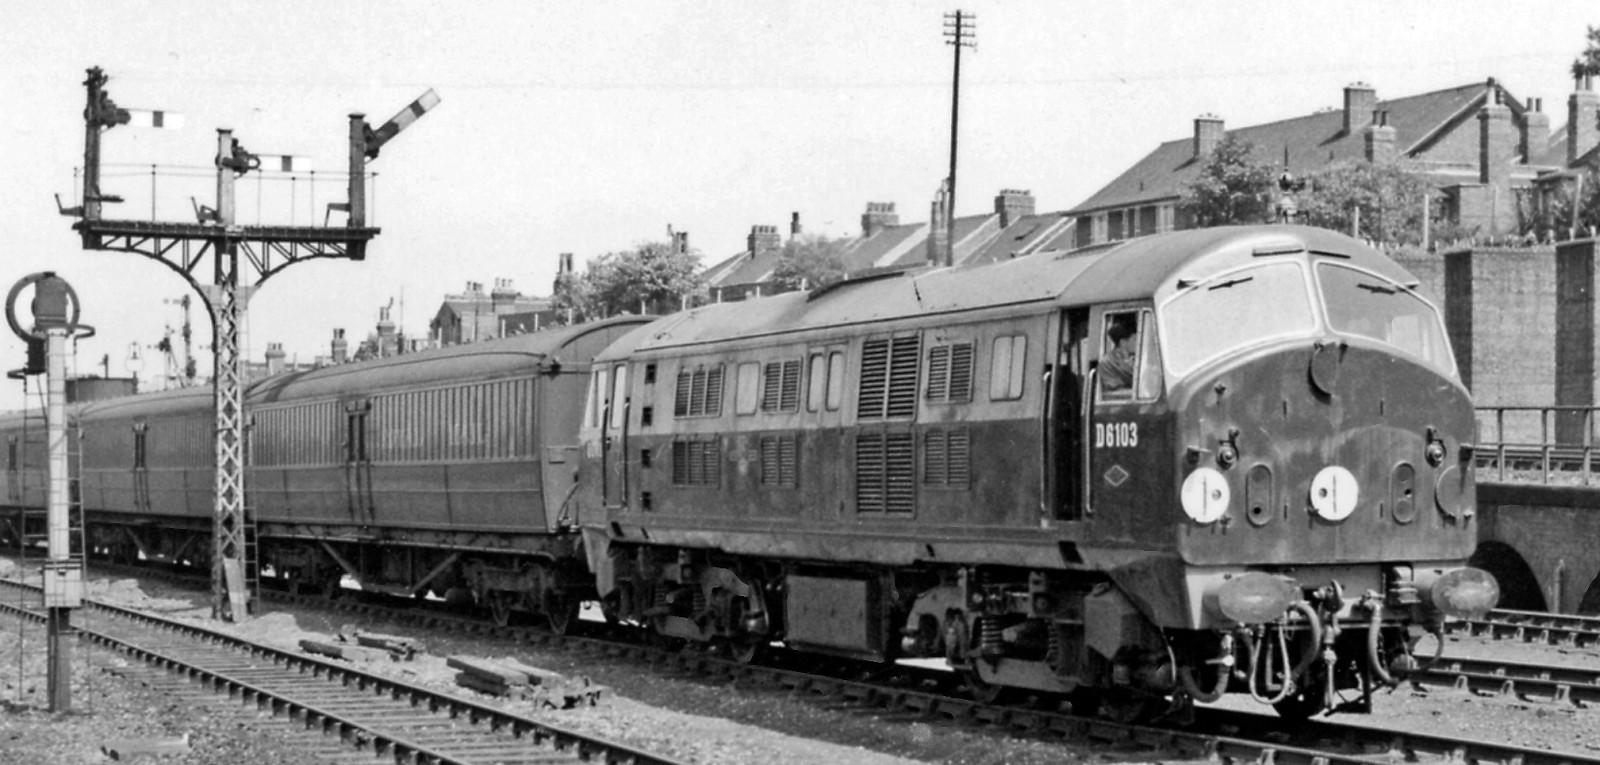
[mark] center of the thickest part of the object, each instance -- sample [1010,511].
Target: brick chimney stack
[1380,138]
[1360,99]
[388,342]
[1207,134]
[794,225]
[1012,205]
[1496,142]
[503,294]
[274,359]
[1535,130]
[879,216]
[763,239]
[1583,110]
[339,349]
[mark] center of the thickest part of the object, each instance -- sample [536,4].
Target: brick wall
[1501,316]
[1576,338]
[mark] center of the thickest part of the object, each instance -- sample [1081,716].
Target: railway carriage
[448,471]
[1231,459]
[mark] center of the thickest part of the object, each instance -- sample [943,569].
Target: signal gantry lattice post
[239,259]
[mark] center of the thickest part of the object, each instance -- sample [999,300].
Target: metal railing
[1552,440]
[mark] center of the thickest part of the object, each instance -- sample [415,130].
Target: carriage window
[748,395]
[835,380]
[1007,360]
[1366,305]
[1233,310]
[619,392]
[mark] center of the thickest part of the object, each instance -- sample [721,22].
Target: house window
[950,373]
[1007,367]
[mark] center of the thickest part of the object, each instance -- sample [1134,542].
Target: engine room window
[816,381]
[748,395]
[1233,310]
[1006,365]
[835,380]
[1366,305]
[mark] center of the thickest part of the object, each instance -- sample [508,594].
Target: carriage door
[615,440]
[357,466]
[1066,451]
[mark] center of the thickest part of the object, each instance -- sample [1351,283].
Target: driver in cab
[1118,361]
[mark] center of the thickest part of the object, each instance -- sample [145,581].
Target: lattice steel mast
[241,258]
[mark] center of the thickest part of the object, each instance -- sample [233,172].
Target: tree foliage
[810,261]
[1588,62]
[653,277]
[1389,196]
[1232,187]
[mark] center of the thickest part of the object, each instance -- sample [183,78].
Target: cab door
[1127,490]
[1065,447]
[614,441]
[357,464]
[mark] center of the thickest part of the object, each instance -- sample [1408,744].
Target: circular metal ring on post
[33,279]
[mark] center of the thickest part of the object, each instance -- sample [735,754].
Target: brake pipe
[1224,663]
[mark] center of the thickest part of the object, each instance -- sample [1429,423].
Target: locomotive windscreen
[1235,309]
[1366,305]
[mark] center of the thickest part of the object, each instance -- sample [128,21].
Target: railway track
[1531,627]
[383,716]
[908,692]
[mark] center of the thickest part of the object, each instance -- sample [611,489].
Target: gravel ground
[695,719]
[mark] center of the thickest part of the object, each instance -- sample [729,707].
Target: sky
[589,127]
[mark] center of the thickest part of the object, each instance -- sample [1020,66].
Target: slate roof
[1311,142]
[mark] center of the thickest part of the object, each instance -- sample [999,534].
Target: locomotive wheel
[745,649]
[983,691]
[561,611]
[1128,707]
[499,607]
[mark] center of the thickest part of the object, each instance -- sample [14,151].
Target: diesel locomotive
[1232,460]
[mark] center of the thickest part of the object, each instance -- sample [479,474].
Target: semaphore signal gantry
[241,258]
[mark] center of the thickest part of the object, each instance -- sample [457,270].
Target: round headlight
[1205,495]
[1334,493]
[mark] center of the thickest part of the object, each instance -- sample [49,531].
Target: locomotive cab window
[597,395]
[619,394]
[1130,364]
[1363,304]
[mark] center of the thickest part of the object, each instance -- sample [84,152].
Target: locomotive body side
[977,489]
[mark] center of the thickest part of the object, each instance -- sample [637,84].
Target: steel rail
[1272,739]
[367,688]
[1531,627]
[1509,678]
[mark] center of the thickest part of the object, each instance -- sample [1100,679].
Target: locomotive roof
[1140,269]
[487,359]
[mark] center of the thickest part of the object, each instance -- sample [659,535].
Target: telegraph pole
[960,31]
